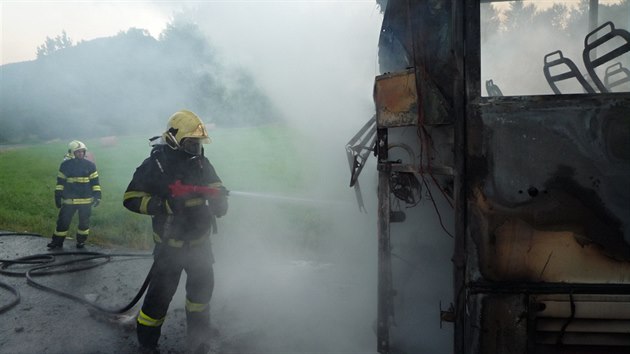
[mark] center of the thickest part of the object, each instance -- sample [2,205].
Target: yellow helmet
[182,125]
[75,145]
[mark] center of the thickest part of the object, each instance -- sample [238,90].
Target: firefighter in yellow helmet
[179,188]
[77,191]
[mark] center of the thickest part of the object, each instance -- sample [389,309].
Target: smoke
[317,60]
[297,273]
[421,251]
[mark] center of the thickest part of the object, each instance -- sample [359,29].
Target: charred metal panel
[418,34]
[394,44]
[385,287]
[431,33]
[552,199]
[415,91]
[504,325]
[385,290]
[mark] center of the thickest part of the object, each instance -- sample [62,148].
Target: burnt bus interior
[527,139]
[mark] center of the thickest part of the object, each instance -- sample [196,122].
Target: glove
[219,206]
[96,202]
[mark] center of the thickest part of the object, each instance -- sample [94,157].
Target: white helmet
[76,145]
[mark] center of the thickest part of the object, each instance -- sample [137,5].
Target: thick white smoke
[297,275]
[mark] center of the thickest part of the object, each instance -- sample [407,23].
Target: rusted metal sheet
[396,99]
[520,252]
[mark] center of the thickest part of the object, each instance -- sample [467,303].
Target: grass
[254,159]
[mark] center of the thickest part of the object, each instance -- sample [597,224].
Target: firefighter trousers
[169,262]
[64,219]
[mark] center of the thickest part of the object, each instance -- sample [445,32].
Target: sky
[26,24]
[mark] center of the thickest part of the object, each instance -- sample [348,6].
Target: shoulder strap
[156,154]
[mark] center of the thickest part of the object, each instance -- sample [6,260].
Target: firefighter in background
[77,191]
[182,223]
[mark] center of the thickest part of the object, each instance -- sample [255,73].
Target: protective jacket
[77,183]
[178,218]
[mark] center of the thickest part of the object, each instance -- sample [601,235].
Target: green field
[253,159]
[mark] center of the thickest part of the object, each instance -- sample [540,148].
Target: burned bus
[520,113]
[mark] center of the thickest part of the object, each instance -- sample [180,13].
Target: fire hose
[46,263]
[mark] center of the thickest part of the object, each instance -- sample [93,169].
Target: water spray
[282,198]
[179,189]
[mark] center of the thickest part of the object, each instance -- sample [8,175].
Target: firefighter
[77,191]
[182,224]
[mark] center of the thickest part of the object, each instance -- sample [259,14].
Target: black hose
[16,294]
[15,301]
[46,260]
[26,260]
[30,273]
[50,258]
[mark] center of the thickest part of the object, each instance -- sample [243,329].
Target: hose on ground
[45,265]
[14,301]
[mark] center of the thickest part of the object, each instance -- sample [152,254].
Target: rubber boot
[203,348]
[198,330]
[57,242]
[81,241]
[147,350]
[148,338]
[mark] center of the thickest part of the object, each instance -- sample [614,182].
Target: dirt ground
[259,306]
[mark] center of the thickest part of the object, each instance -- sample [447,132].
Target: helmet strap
[171,141]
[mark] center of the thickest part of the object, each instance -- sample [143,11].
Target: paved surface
[264,302]
[44,322]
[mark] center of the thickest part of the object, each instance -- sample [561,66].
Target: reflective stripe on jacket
[78,182]
[148,193]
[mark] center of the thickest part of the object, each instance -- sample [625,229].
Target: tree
[126,83]
[490,21]
[520,16]
[52,45]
